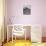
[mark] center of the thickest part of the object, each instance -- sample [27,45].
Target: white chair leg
[7,34]
[12,36]
[15,38]
[25,36]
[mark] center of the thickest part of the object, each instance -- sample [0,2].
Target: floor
[18,43]
[23,43]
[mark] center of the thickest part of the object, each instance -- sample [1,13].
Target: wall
[38,13]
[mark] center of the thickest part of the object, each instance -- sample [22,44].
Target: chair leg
[2,44]
[25,36]
[15,38]
[12,37]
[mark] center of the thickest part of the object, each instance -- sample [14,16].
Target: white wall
[38,12]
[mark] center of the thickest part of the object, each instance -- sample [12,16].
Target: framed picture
[27,10]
